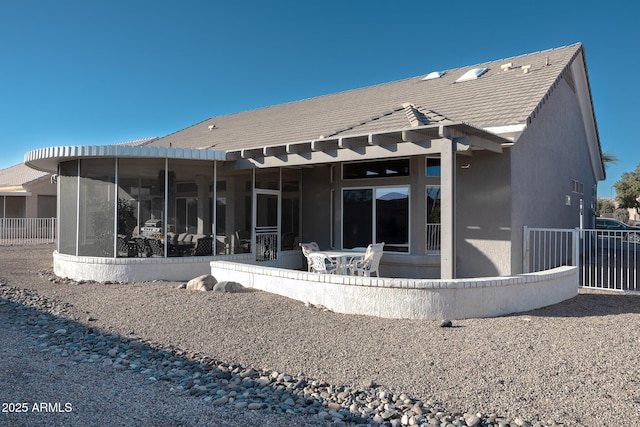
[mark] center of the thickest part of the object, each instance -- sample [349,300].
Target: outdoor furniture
[345,259]
[321,263]
[288,241]
[157,247]
[126,247]
[142,246]
[203,245]
[307,248]
[371,261]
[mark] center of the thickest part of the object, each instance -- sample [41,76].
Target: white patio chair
[321,263]
[371,261]
[307,248]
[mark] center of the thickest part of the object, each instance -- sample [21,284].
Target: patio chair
[203,246]
[142,245]
[242,241]
[123,246]
[321,263]
[157,247]
[307,248]
[371,261]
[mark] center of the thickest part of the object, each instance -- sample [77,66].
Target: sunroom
[145,213]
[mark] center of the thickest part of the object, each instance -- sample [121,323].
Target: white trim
[510,132]
[46,159]
[16,193]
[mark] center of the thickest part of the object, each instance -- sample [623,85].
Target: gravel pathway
[153,354]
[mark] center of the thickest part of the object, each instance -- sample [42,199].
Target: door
[266,217]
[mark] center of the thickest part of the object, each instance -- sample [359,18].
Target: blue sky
[85,73]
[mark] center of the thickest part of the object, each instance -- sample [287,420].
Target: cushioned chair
[321,263]
[371,261]
[307,248]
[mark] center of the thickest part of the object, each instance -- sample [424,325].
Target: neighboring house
[446,168]
[26,193]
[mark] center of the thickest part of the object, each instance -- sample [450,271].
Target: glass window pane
[357,212]
[377,169]
[433,166]
[392,218]
[433,205]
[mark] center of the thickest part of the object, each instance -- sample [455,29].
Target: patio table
[344,258]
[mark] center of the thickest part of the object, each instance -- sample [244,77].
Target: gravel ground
[573,364]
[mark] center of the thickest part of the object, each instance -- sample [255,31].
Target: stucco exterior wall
[483,200]
[42,188]
[550,153]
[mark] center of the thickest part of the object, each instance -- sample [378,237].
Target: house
[26,193]
[446,168]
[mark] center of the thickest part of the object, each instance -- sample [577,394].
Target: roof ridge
[363,122]
[561,75]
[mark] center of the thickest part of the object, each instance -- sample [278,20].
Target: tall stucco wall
[550,153]
[483,214]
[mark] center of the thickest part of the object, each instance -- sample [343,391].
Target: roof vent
[525,68]
[507,66]
[434,75]
[472,74]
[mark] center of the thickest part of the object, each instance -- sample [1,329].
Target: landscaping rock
[226,286]
[206,282]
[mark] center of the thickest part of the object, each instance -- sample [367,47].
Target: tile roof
[497,98]
[19,175]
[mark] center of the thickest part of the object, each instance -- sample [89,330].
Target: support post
[448,213]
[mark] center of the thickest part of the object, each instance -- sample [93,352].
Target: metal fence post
[525,250]
[576,247]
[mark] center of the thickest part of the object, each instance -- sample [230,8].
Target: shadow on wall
[480,252]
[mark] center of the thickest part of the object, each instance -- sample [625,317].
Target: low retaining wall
[409,298]
[130,269]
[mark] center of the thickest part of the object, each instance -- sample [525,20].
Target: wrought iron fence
[432,239]
[27,230]
[606,259]
[266,243]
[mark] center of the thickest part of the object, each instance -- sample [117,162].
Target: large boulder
[226,286]
[206,282]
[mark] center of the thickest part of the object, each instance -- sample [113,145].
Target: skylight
[434,75]
[472,74]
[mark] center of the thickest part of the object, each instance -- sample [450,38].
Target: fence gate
[606,259]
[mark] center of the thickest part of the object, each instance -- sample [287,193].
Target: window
[378,214]
[433,166]
[432,226]
[577,186]
[378,169]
